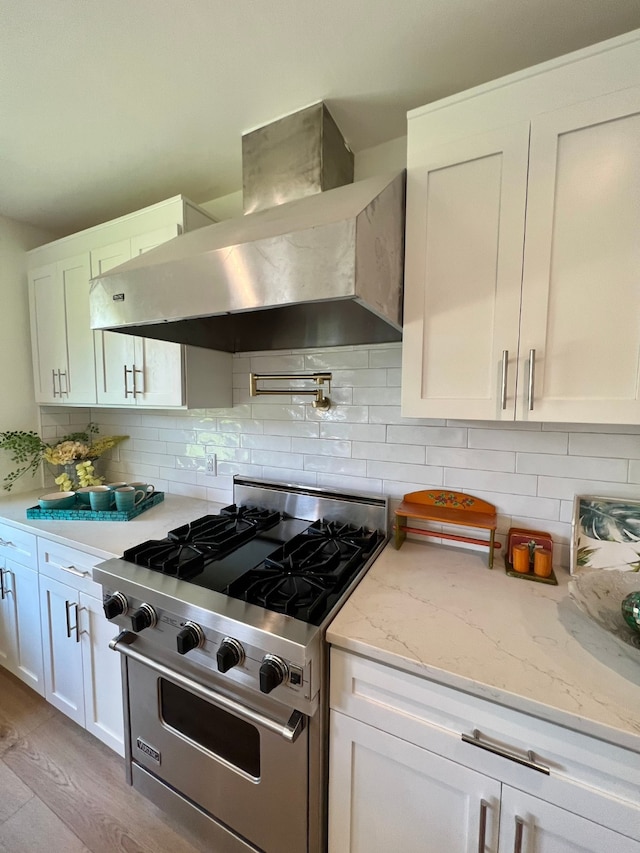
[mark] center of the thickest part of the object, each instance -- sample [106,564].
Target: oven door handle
[289,731]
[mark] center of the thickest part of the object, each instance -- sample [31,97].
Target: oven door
[246,769]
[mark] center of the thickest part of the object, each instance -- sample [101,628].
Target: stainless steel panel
[270,811]
[213,834]
[296,156]
[254,283]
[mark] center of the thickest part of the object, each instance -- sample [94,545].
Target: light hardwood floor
[62,791]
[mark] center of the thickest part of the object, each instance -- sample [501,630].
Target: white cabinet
[402,777]
[75,366]
[20,640]
[521,296]
[82,675]
[388,794]
[61,339]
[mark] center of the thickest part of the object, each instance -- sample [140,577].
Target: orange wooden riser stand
[446,507]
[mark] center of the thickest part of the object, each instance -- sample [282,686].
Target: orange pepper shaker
[521,558]
[542,562]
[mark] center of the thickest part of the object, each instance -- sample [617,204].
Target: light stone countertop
[440,613]
[106,539]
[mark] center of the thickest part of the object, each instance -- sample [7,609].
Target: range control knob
[115,605]
[230,653]
[190,637]
[273,672]
[144,617]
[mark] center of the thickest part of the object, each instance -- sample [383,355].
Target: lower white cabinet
[401,777]
[20,640]
[20,644]
[81,674]
[389,794]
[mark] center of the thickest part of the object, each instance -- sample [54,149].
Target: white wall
[19,410]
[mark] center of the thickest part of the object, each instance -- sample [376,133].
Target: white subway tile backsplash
[363,432]
[324,447]
[526,441]
[403,472]
[531,471]
[584,467]
[336,465]
[566,488]
[389,452]
[427,435]
[496,481]
[487,460]
[594,444]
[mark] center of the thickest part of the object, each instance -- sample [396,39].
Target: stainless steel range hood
[322,270]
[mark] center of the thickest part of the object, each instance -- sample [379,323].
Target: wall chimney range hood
[314,262]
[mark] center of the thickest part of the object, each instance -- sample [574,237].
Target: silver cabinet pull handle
[62,373]
[6,543]
[3,592]
[126,382]
[532,376]
[68,605]
[505,370]
[73,571]
[289,731]
[517,843]
[135,389]
[482,829]
[53,382]
[529,761]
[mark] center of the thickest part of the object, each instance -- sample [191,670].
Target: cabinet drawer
[69,566]
[18,545]
[435,717]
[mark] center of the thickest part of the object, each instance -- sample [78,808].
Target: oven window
[234,740]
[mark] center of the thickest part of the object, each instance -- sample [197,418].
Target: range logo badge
[153,754]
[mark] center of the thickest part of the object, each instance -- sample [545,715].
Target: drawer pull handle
[529,761]
[482,830]
[73,571]
[3,591]
[6,543]
[517,843]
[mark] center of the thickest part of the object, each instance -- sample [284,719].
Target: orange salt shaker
[521,558]
[542,563]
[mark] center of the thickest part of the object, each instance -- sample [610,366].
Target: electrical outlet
[210,464]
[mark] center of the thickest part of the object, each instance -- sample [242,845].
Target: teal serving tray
[81,512]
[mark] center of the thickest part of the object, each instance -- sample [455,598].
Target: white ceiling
[109,105]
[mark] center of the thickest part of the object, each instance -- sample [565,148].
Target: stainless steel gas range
[224,661]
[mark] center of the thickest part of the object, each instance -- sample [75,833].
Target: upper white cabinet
[521,297]
[62,341]
[74,365]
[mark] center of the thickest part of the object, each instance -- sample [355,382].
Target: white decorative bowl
[600,595]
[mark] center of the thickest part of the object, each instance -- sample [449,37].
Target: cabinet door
[28,633]
[61,648]
[8,618]
[74,275]
[530,825]
[582,255]
[387,794]
[465,233]
[48,334]
[101,673]
[115,353]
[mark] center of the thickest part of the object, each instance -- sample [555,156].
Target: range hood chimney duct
[316,261]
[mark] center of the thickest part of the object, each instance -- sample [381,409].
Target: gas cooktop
[263,557]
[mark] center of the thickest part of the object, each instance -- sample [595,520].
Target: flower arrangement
[76,451]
